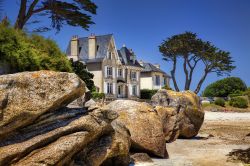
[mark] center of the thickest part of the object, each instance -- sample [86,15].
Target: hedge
[147,93]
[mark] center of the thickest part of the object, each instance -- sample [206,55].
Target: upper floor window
[109,71]
[109,55]
[157,80]
[109,88]
[133,75]
[119,72]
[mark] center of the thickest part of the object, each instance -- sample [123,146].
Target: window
[109,71]
[157,80]
[164,81]
[109,88]
[134,90]
[109,55]
[133,75]
[119,72]
[97,47]
[79,50]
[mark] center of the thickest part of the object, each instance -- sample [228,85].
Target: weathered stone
[170,122]
[189,110]
[25,96]
[144,125]
[109,150]
[60,145]
[140,158]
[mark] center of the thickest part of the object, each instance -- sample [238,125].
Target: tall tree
[58,11]
[192,51]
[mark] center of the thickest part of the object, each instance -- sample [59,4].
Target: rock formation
[189,112]
[36,128]
[144,125]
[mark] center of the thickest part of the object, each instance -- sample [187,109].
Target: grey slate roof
[148,67]
[102,43]
[125,56]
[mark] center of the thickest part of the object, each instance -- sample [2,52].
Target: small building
[152,77]
[116,72]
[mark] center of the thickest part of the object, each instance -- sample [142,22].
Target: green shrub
[247,93]
[220,102]
[96,95]
[147,93]
[225,87]
[238,102]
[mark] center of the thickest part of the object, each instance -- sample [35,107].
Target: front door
[119,90]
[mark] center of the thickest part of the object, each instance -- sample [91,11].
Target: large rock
[189,111]
[111,149]
[25,96]
[144,125]
[57,138]
[170,122]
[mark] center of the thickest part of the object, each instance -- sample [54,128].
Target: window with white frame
[109,88]
[109,71]
[109,55]
[157,80]
[119,72]
[133,75]
[134,90]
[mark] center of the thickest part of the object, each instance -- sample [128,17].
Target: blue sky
[143,24]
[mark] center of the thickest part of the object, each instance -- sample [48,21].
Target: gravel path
[227,116]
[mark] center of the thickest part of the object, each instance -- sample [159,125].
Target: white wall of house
[146,83]
[149,81]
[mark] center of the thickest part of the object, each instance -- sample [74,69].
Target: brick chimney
[74,54]
[157,66]
[92,46]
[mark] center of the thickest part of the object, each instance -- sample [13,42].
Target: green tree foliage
[192,51]
[73,12]
[225,87]
[80,69]
[30,53]
[238,102]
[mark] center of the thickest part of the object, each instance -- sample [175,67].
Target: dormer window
[79,50]
[109,55]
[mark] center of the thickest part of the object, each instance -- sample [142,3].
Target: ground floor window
[157,80]
[109,88]
[134,89]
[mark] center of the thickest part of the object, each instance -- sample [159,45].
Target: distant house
[116,72]
[152,77]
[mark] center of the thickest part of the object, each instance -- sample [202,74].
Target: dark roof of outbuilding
[126,55]
[102,42]
[148,67]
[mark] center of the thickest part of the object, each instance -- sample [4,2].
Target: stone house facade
[116,72]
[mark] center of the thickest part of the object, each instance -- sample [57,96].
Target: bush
[96,95]
[147,93]
[247,93]
[238,102]
[225,87]
[220,102]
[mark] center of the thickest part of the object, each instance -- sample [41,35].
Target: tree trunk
[201,82]
[190,78]
[173,75]
[186,72]
[20,21]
